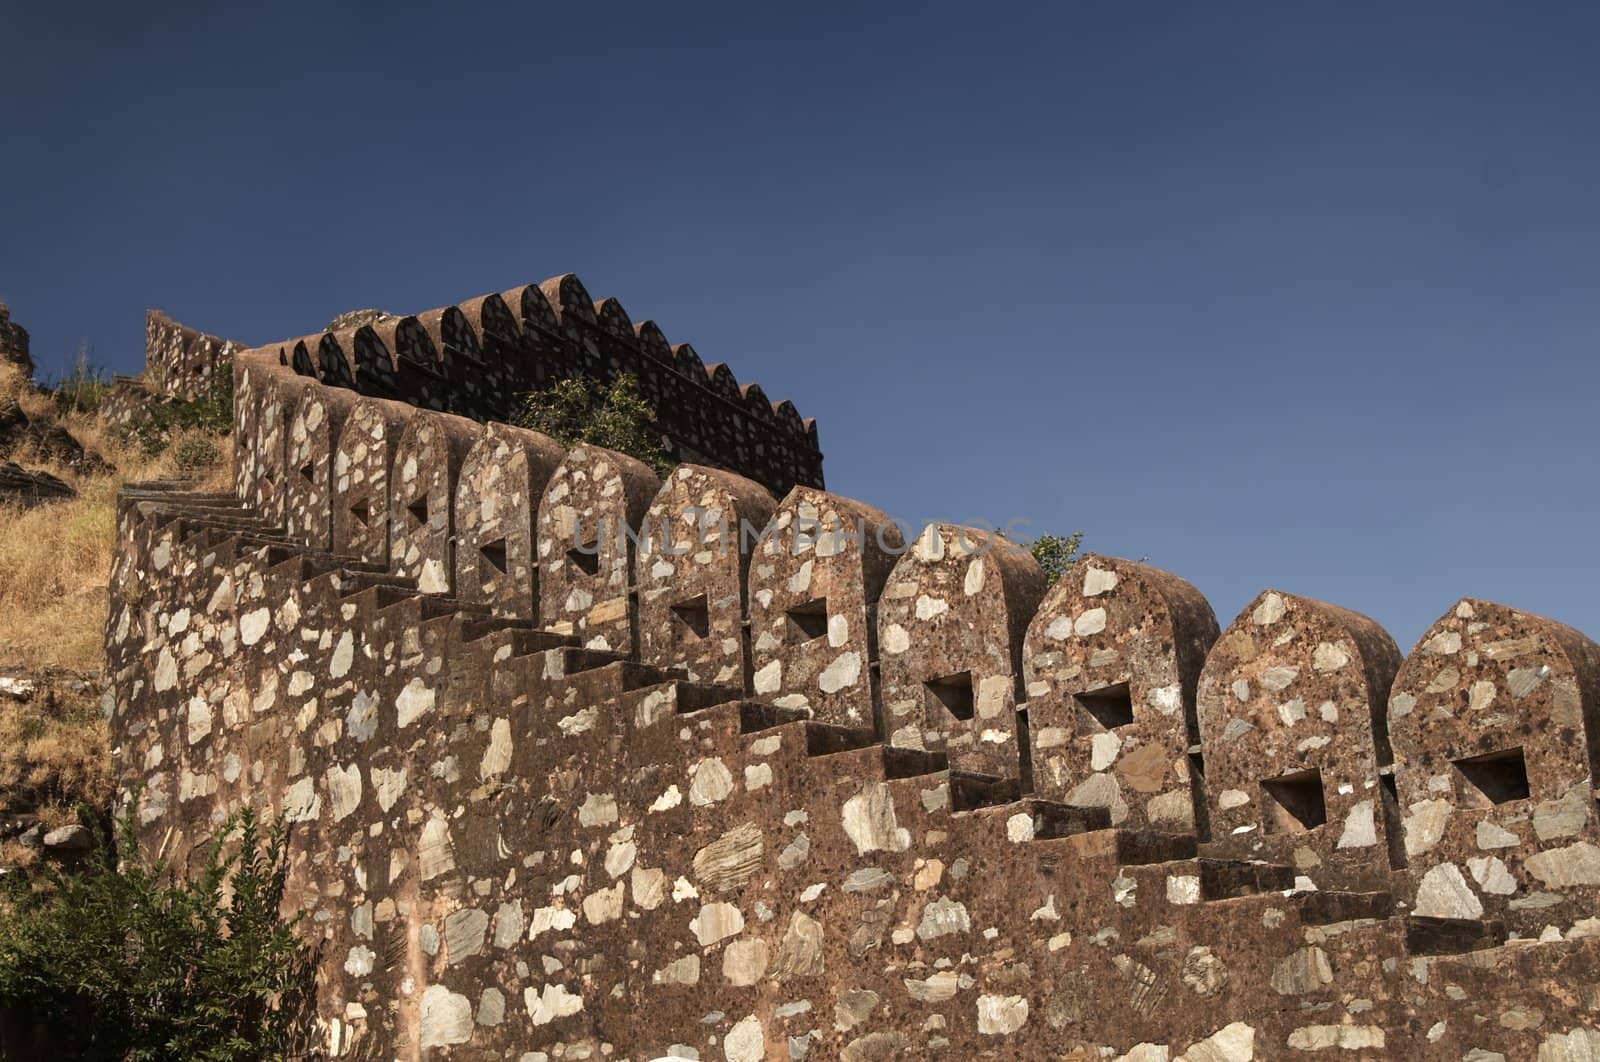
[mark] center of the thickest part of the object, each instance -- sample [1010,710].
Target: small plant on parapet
[614,416]
[1055,554]
[115,961]
[83,389]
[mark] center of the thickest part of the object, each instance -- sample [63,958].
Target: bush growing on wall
[613,416]
[1055,554]
[113,961]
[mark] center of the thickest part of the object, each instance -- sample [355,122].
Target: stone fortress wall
[180,361]
[562,795]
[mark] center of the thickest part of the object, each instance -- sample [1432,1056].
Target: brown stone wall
[526,829]
[180,361]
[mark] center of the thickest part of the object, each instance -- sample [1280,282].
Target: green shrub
[210,412]
[1055,554]
[614,416]
[117,962]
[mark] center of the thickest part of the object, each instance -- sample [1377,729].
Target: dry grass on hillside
[55,559]
[51,751]
[55,562]
[54,757]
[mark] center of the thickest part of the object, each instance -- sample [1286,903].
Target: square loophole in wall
[1108,707]
[492,559]
[308,472]
[417,511]
[694,614]
[808,620]
[954,693]
[1293,803]
[585,554]
[1496,778]
[361,514]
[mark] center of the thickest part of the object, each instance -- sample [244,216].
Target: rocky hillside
[60,468]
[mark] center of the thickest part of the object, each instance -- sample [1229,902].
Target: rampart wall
[563,795]
[478,358]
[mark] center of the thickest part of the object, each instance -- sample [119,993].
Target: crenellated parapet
[816,574]
[430,453]
[691,573]
[478,358]
[1112,661]
[595,498]
[1291,703]
[504,480]
[583,762]
[1494,721]
[951,622]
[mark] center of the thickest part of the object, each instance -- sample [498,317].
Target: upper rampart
[478,358]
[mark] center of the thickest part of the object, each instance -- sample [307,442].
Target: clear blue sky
[1273,294]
